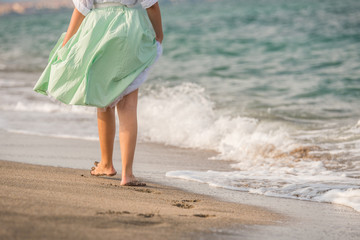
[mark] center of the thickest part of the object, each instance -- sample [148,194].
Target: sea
[272,87]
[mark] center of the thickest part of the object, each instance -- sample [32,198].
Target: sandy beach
[39,201]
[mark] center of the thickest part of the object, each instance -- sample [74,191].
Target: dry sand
[41,202]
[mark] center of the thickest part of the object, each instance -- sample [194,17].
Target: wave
[267,158]
[184,116]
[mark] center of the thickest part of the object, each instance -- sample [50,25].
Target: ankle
[106,164]
[127,171]
[127,175]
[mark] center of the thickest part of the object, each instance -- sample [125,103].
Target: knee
[128,103]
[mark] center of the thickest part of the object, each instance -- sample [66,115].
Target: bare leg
[127,112]
[106,127]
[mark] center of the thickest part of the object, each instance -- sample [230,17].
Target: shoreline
[43,202]
[305,220]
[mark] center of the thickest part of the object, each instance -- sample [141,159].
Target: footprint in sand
[114,185]
[111,212]
[203,215]
[146,215]
[146,190]
[143,190]
[187,200]
[182,205]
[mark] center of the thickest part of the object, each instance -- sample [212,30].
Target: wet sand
[42,202]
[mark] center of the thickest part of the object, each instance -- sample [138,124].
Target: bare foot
[101,170]
[131,181]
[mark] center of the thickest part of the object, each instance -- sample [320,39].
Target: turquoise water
[297,58]
[272,85]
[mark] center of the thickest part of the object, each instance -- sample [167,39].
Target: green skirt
[112,46]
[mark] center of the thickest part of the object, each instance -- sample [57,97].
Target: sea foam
[323,187]
[185,116]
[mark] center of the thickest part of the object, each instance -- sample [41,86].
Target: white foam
[184,116]
[349,197]
[326,187]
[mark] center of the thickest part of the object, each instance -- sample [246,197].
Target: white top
[84,6]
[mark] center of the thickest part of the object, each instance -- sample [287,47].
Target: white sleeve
[148,3]
[83,6]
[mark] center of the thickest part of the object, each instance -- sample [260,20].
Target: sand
[41,202]
[299,219]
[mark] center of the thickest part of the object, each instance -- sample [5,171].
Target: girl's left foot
[98,170]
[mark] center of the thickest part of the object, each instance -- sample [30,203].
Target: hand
[159,39]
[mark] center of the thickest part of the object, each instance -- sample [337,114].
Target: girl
[101,61]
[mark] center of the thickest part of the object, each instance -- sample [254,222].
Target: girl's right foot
[131,181]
